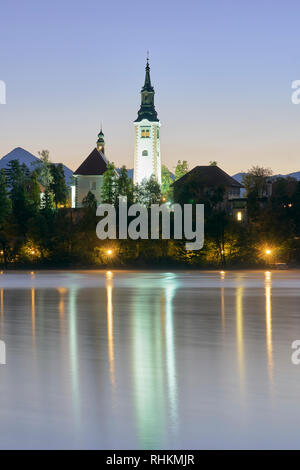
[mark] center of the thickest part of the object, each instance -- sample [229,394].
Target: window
[93,185]
[145,153]
[239,216]
[145,132]
[157,133]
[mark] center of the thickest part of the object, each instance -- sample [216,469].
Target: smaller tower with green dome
[101,142]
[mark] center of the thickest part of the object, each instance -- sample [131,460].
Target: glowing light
[268,251]
[110,332]
[62,290]
[267,275]
[239,216]
[109,252]
[109,275]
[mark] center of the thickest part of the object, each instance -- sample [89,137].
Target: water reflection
[240,336]
[170,290]
[73,350]
[154,364]
[33,327]
[105,366]
[110,327]
[2,311]
[269,341]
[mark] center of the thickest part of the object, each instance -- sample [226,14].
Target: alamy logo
[295,357]
[138,227]
[2,353]
[2,92]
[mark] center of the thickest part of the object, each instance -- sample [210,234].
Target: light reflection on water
[149,360]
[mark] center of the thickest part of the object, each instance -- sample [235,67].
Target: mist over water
[137,360]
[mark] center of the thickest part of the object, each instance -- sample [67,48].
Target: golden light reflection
[223,309]
[73,348]
[61,306]
[33,315]
[240,334]
[110,328]
[269,341]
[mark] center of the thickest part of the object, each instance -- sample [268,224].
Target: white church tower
[147,160]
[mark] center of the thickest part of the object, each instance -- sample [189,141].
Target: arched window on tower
[145,153]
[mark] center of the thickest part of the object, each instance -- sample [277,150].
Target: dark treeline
[38,227]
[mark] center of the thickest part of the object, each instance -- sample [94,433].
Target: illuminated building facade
[147,161]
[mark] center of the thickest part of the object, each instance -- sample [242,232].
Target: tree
[43,169]
[5,202]
[34,192]
[17,176]
[90,201]
[14,173]
[124,185]
[47,203]
[109,185]
[166,181]
[58,184]
[213,163]
[181,169]
[256,179]
[148,192]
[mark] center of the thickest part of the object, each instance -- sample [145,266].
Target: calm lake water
[137,360]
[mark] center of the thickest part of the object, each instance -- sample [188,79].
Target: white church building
[147,160]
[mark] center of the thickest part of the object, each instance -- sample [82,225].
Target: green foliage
[43,169]
[34,192]
[34,234]
[90,201]
[166,181]
[255,181]
[58,184]
[5,202]
[148,192]
[181,169]
[109,185]
[124,185]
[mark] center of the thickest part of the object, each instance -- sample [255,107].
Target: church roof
[94,164]
[209,176]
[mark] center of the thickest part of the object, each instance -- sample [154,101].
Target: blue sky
[222,71]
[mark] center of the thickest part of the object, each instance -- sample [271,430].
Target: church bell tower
[147,160]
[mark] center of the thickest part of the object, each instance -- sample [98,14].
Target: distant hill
[30,161]
[296,175]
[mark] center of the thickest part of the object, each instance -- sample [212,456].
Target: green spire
[147,109]
[101,141]
[147,85]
